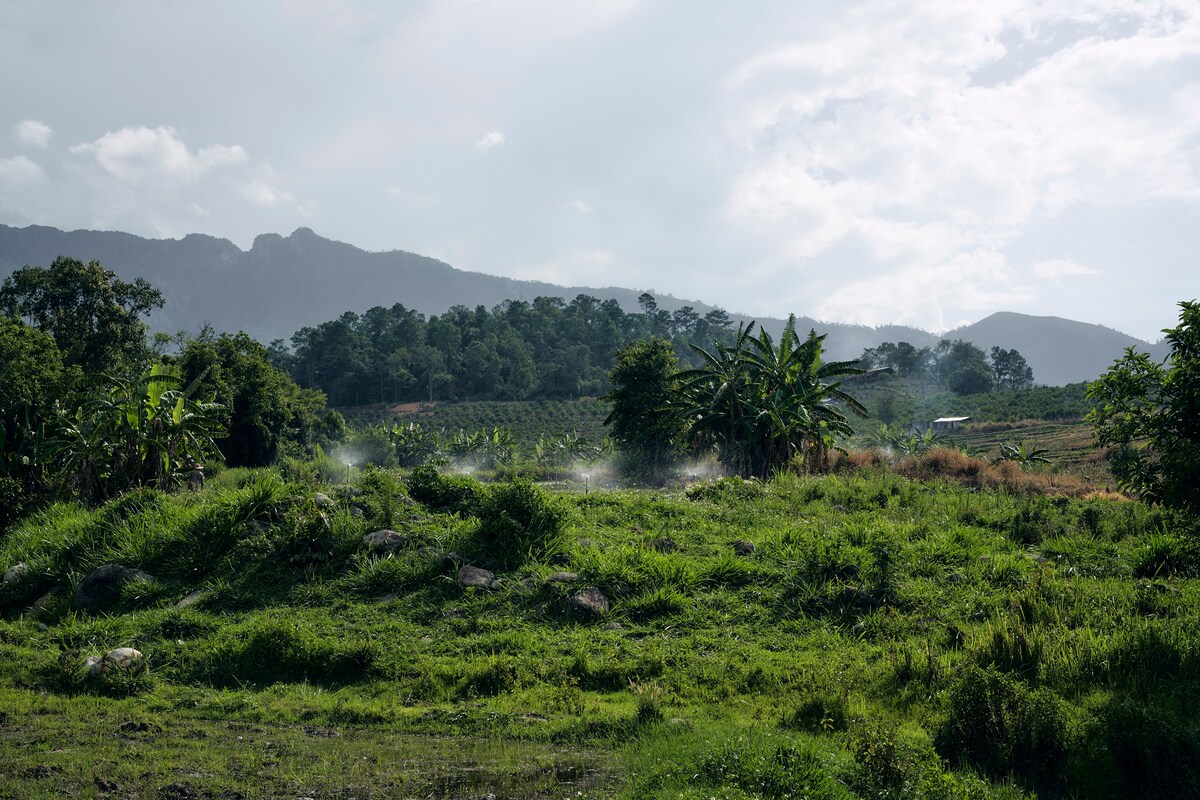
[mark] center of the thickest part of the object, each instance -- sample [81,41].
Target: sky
[925,163]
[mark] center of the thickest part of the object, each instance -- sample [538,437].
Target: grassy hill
[839,637]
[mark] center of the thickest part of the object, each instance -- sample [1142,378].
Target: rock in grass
[590,601]
[474,576]
[743,547]
[322,500]
[16,572]
[102,589]
[563,577]
[192,598]
[385,541]
[117,658]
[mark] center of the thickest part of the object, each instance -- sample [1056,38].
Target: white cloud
[873,134]
[928,296]
[1057,269]
[20,170]
[578,206]
[140,154]
[489,141]
[197,210]
[264,194]
[32,133]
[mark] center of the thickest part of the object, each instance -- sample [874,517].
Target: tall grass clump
[519,522]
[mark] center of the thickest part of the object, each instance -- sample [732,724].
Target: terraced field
[1068,444]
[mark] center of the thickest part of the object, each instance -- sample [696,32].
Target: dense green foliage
[646,432]
[94,317]
[884,638]
[264,413]
[766,407]
[958,366]
[518,350]
[1150,414]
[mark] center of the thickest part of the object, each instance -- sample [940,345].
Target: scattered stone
[105,785]
[117,658]
[743,547]
[452,560]
[614,626]
[590,601]
[102,589]
[585,543]
[385,541]
[663,544]
[177,791]
[42,771]
[191,598]
[385,598]
[322,500]
[563,577]
[355,511]
[474,576]
[1039,559]
[16,572]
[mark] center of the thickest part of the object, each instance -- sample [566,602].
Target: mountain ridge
[210,280]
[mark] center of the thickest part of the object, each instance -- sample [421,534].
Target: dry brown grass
[947,464]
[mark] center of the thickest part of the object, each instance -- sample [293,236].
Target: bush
[269,650]
[455,493]
[1003,728]
[1155,754]
[519,522]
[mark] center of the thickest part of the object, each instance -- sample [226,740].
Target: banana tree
[767,405]
[126,434]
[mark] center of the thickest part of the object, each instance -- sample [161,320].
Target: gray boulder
[385,541]
[590,601]
[118,658]
[102,589]
[474,576]
[16,572]
[743,547]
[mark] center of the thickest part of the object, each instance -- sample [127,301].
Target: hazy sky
[918,162]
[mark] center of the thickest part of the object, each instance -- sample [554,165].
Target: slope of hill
[1069,351]
[282,284]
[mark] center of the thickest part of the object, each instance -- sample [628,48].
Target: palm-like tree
[765,405]
[126,434]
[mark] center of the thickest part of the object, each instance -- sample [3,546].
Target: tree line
[545,349]
[958,365]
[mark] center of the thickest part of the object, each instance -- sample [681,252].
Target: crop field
[851,636]
[528,420]
[1069,445]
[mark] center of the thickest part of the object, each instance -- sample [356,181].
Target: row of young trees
[519,350]
[958,365]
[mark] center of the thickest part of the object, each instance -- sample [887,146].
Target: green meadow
[858,635]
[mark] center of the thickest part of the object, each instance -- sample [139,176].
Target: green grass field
[881,638]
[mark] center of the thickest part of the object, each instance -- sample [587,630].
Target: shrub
[273,650]
[1003,728]
[455,493]
[1155,754]
[518,522]
[819,713]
